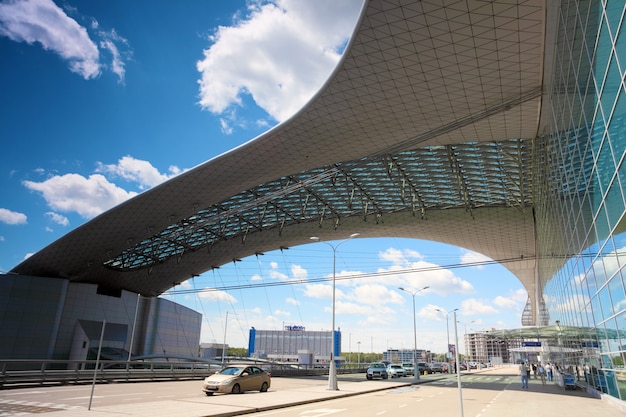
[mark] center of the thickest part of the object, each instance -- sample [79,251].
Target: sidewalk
[295,391]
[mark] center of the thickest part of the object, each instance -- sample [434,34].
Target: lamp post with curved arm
[416,373]
[332,371]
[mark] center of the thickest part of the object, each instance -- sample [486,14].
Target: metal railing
[18,373]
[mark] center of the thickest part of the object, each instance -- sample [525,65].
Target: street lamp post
[224,345]
[416,374]
[446,313]
[332,371]
[458,368]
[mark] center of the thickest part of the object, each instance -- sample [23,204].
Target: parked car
[395,370]
[409,369]
[423,367]
[237,379]
[377,370]
[438,367]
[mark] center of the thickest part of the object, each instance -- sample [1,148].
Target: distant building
[294,344]
[406,355]
[481,348]
[213,350]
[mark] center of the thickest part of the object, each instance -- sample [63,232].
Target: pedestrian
[534,366]
[527,366]
[542,373]
[524,371]
[548,368]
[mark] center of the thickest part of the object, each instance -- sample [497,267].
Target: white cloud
[280,54]
[118,65]
[12,217]
[475,258]
[90,196]
[44,22]
[276,274]
[58,218]
[399,257]
[216,295]
[515,300]
[298,272]
[137,170]
[430,312]
[322,291]
[374,294]
[426,274]
[291,300]
[282,313]
[74,193]
[472,306]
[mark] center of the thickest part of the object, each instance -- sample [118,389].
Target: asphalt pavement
[286,392]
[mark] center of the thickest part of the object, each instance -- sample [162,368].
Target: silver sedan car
[237,379]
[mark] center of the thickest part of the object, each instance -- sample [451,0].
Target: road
[484,395]
[489,393]
[78,396]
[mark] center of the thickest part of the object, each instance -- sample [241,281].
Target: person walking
[548,368]
[524,371]
[542,373]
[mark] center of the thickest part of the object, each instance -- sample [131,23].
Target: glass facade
[580,195]
[287,345]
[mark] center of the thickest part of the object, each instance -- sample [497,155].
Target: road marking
[25,393]
[321,412]
[84,398]
[111,395]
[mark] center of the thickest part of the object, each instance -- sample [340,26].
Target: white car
[395,370]
[409,369]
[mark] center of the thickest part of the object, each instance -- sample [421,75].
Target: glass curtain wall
[580,191]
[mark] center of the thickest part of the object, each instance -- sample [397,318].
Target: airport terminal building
[498,126]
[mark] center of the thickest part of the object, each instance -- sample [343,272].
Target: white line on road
[110,395]
[24,393]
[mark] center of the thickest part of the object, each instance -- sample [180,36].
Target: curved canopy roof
[425,130]
[554,332]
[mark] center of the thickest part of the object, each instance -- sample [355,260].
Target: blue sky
[102,100]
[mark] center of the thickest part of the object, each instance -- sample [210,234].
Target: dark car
[423,368]
[438,367]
